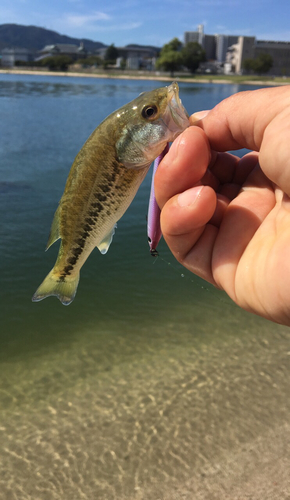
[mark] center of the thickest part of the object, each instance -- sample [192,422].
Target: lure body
[153,219]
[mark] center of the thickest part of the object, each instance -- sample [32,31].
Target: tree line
[261,64]
[173,57]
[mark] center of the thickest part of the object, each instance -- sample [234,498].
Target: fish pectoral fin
[54,230]
[106,241]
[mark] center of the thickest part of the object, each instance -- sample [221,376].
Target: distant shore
[221,79]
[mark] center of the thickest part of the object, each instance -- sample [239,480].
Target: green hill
[34,38]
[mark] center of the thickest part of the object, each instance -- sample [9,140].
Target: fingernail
[198,116]
[188,197]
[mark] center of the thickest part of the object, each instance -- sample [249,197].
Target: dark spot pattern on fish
[98,206]
[87,228]
[111,179]
[104,188]
[72,260]
[81,242]
[101,197]
[105,203]
[67,270]
[77,251]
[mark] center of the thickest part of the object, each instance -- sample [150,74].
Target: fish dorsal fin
[106,241]
[54,230]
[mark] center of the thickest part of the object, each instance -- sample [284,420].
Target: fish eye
[149,112]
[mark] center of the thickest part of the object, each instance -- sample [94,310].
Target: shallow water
[151,384]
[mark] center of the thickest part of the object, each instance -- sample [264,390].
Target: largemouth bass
[104,179]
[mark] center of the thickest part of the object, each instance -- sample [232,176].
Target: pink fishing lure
[153,220]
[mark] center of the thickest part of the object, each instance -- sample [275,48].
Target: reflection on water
[54,89]
[150,385]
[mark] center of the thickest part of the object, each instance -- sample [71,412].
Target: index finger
[241,120]
[258,120]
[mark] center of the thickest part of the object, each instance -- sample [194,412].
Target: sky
[151,22]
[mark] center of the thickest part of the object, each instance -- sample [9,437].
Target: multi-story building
[63,49]
[194,36]
[230,51]
[237,53]
[250,48]
[12,56]
[223,42]
[209,46]
[215,46]
[135,57]
[280,53]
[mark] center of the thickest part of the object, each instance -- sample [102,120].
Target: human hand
[227,219]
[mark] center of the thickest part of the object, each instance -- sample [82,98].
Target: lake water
[151,385]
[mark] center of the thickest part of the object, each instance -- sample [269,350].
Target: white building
[215,46]
[194,36]
[63,49]
[250,48]
[223,42]
[207,42]
[237,53]
[230,51]
[136,57]
[12,56]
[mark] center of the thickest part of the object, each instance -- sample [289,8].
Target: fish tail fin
[63,288]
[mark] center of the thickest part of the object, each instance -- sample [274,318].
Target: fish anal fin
[104,245]
[54,234]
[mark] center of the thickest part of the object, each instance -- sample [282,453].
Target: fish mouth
[177,110]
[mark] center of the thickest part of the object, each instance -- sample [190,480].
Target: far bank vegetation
[174,56]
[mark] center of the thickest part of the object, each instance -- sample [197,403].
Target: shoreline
[143,77]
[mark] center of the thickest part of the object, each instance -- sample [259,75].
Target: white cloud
[76,20]
[89,24]
[118,27]
[128,26]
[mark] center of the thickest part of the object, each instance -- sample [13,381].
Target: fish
[153,218]
[104,179]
